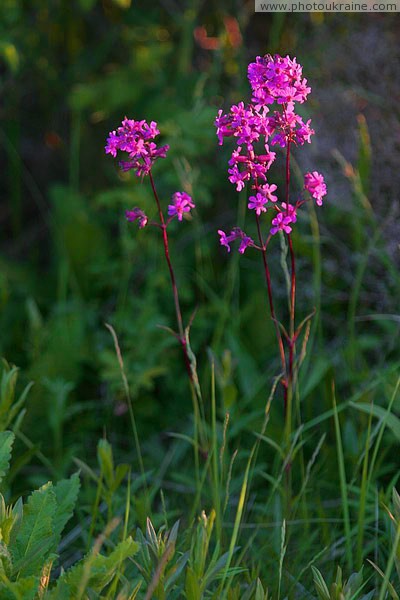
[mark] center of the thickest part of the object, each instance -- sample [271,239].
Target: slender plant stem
[182,338]
[270,298]
[196,396]
[288,407]
[292,307]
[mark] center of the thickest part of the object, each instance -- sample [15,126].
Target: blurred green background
[69,263]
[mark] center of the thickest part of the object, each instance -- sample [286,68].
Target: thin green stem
[343,484]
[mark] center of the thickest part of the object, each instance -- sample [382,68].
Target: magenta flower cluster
[135,139]
[236,234]
[181,203]
[258,127]
[314,183]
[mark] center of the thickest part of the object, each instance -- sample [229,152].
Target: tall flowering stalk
[270,120]
[135,139]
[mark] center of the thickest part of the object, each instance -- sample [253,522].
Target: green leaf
[388,418]
[66,492]
[93,573]
[10,406]
[320,585]
[260,594]
[24,589]
[106,462]
[31,545]
[6,442]
[192,587]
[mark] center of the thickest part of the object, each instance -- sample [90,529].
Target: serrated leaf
[94,572]
[6,442]
[24,589]
[31,545]
[5,559]
[66,492]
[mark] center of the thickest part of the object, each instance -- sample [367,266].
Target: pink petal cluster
[269,119]
[135,138]
[181,203]
[315,184]
[137,213]
[258,203]
[283,219]
[262,197]
[235,234]
[273,80]
[277,79]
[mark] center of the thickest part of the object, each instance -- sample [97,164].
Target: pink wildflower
[315,184]
[283,219]
[134,138]
[137,213]
[236,233]
[181,203]
[258,203]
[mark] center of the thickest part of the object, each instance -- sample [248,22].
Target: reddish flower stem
[287,174]
[292,283]
[178,311]
[292,307]
[271,302]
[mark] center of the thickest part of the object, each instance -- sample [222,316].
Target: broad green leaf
[24,589]
[34,539]
[66,492]
[5,558]
[94,572]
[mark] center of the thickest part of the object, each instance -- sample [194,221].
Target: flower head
[236,233]
[181,203]
[137,213]
[245,243]
[283,219]
[258,203]
[135,138]
[277,79]
[315,184]
[242,122]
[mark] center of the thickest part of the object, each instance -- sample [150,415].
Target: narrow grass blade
[343,484]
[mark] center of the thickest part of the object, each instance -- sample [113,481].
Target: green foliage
[339,589]
[69,263]
[94,573]
[6,442]
[30,534]
[11,405]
